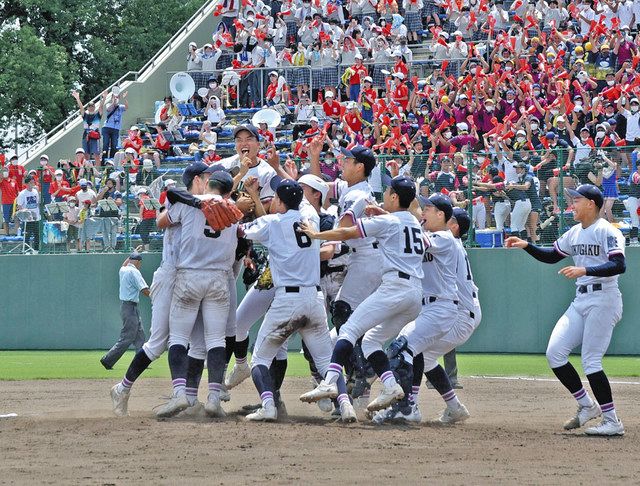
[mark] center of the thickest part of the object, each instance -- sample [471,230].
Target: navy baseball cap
[224,179]
[402,185]
[362,155]
[550,135]
[215,168]
[612,121]
[135,256]
[588,191]
[246,127]
[193,170]
[463,220]
[288,190]
[439,201]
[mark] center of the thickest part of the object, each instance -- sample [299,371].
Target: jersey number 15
[413,240]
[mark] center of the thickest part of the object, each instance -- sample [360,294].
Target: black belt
[432,299]
[375,246]
[129,302]
[295,290]
[583,289]
[336,269]
[403,275]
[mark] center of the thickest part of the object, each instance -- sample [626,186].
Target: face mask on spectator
[447,135]
[578,103]
[534,126]
[536,92]
[629,38]
[424,112]
[43,162]
[584,137]
[58,177]
[339,136]
[14,162]
[489,108]
[555,112]
[72,204]
[5,174]
[508,68]
[599,135]
[213,84]
[521,139]
[611,82]
[634,108]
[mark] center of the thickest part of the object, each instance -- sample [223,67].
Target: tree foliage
[48,47]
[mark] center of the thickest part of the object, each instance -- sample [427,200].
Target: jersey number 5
[416,235]
[301,238]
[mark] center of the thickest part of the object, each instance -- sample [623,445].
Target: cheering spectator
[9,190]
[113,124]
[91,126]
[148,218]
[29,199]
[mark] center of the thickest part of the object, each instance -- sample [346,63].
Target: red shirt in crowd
[354,121]
[399,92]
[211,158]
[161,143]
[368,96]
[267,135]
[9,189]
[134,142]
[17,173]
[332,108]
[55,185]
[359,73]
[146,213]
[163,197]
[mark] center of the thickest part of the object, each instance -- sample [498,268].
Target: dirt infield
[65,433]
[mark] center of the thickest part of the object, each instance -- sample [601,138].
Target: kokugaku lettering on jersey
[201,247]
[591,247]
[439,265]
[400,240]
[294,258]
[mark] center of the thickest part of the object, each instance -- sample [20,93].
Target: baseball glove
[265,282]
[220,213]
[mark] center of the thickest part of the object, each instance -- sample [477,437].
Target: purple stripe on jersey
[557,247]
[450,395]
[351,215]
[360,226]
[580,394]
[607,407]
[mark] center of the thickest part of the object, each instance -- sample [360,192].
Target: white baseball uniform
[362,278]
[468,316]
[440,309]
[397,300]
[202,278]
[597,308]
[294,260]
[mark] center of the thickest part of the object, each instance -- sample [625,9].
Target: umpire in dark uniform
[131,284]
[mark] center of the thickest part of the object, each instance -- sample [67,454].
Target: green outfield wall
[71,302]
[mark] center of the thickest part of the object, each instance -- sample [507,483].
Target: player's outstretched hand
[374,210]
[573,272]
[515,242]
[306,228]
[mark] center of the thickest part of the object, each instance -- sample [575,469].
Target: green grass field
[35,365]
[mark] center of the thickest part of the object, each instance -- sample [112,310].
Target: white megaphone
[182,86]
[115,91]
[271,117]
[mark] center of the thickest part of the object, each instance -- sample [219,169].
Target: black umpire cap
[588,191]
[463,220]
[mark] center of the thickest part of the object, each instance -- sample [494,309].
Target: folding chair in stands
[193,111]
[183,109]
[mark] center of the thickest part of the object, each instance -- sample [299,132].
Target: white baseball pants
[195,288]
[363,277]
[519,215]
[292,312]
[161,295]
[501,210]
[589,321]
[631,203]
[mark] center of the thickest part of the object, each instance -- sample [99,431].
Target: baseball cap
[398,75]
[361,155]
[135,256]
[441,202]
[192,171]
[328,94]
[316,183]
[463,220]
[313,119]
[82,182]
[168,182]
[273,73]
[401,185]
[288,190]
[368,79]
[211,147]
[133,128]
[79,150]
[550,135]
[130,150]
[588,191]
[58,172]
[46,157]
[612,121]
[224,179]
[246,127]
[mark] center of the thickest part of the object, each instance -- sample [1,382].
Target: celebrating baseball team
[395,279]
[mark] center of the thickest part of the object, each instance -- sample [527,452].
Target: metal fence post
[471,233]
[561,201]
[127,232]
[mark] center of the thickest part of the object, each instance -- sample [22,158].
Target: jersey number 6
[301,238]
[416,235]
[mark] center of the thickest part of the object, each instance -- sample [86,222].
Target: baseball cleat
[451,416]
[582,416]
[120,399]
[225,396]
[193,411]
[325,405]
[268,414]
[239,373]
[323,390]
[607,427]
[347,412]
[175,405]
[213,408]
[388,396]
[398,413]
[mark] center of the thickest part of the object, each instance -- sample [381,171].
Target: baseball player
[597,249]
[298,303]
[194,178]
[457,331]
[354,194]
[632,203]
[247,140]
[396,301]
[203,274]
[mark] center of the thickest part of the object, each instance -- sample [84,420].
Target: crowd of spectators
[499,105]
